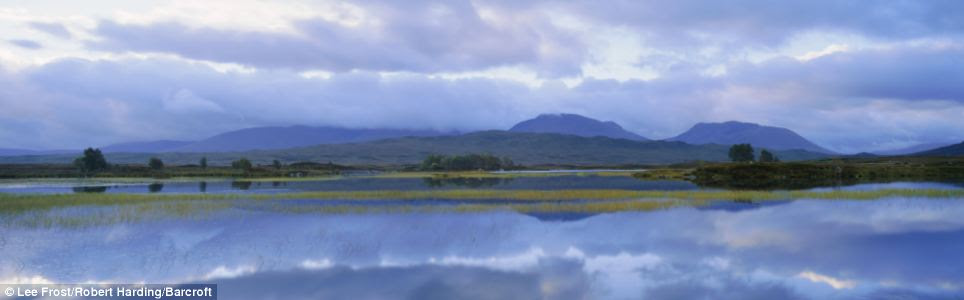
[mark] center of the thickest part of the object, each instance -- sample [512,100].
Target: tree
[433,162]
[243,164]
[741,153]
[204,162]
[277,164]
[766,156]
[92,161]
[155,163]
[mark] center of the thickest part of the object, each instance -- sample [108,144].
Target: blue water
[794,249]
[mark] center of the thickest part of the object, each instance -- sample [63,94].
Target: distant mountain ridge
[522,147]
[733,132]
[952,150]
[575,125]
[267,138]
[270,138]
[913,149]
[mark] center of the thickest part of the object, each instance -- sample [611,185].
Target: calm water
[892,248]
[351,184]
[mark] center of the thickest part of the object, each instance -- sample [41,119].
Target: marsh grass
[20,202]
[81,210]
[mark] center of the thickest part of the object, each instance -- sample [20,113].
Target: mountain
[146,147]
[266,138]
[522,147]
[575,125]
[733,132]
[952,150]
[913,149]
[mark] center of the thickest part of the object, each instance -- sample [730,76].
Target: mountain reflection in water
[802,249]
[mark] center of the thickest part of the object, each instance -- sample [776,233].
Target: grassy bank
[15,202]
[799,175]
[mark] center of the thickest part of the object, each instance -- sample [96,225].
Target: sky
[849,75]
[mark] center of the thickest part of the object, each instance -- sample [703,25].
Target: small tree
[155,163]
[741,153]
[92,161]
[276,164]
[766,156]
[204,162]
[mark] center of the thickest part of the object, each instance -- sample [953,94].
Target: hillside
[733,132]
[952,150]
[524,148]
[913,149]
[575,125]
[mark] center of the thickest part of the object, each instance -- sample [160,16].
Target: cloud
[905,73]
[51,28]
[836,283]
[766,23]
[185,101]
[138,99]
[414,37]
[26,44]
[727,287]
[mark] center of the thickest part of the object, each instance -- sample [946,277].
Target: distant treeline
[466,162]
[93,164]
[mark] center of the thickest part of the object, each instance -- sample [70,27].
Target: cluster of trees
[466,162]
[745,153]
[243,164]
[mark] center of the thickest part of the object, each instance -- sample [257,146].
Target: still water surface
[900,248]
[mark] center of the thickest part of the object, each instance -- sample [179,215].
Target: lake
[891,247]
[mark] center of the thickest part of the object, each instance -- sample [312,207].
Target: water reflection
[465,182]
[802,249]
[241,185]
[155,187]
[89,189]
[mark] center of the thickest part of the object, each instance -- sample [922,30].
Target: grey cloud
[147,99]
[26,44]
[416,37]
[725,288]
[917,73]
[54,29]
[415,282]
